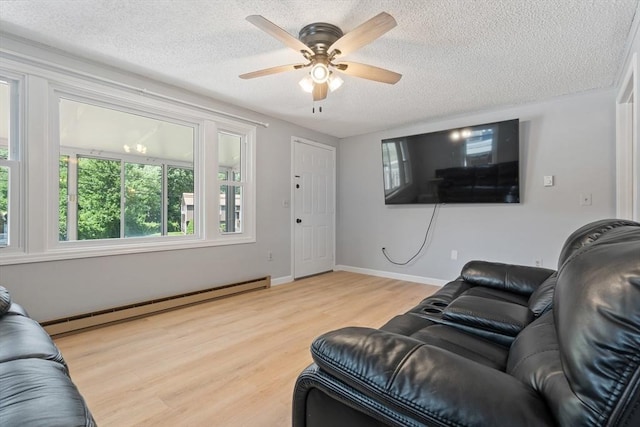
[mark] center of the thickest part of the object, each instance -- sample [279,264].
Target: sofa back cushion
[23,338]
[584,355]
[5,300]
[588,234]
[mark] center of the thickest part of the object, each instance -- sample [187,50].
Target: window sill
[82,251]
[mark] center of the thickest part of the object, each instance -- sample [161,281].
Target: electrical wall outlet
[537,262]
[454,254]
[270,256]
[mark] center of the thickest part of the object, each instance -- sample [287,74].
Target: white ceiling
[456,56]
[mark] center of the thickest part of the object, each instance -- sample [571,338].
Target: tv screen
[473,164]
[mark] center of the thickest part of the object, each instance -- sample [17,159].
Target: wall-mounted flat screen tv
[472,164]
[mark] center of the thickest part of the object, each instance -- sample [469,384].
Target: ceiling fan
[322,45]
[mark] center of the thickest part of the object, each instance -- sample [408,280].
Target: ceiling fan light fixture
[335,82]
[306,84]
[319,73]
[320,44]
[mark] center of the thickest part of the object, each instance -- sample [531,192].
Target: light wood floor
[230,362]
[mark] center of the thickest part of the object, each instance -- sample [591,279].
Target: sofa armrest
[519,279]
[432,385]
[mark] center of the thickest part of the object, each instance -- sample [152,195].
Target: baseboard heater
[80,322]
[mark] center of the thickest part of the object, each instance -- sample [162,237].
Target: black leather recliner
[502,346]
[35,387]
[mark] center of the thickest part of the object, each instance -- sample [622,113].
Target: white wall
[572,138]
[50,290]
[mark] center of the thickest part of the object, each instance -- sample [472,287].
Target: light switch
[548,180]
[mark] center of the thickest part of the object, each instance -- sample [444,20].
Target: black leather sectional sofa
[502,345]
[35,387]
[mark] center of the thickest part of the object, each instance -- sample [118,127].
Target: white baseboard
[281,280]
[390,275]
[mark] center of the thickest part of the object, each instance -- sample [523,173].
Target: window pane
[230,216]
[143,200]
[63,197]
[5,119]
[4,206]
[91,127]
[406,164]
[391,166]
[229,157]
[180,201]
[98,198]
[141,148]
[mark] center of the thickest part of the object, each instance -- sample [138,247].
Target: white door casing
[627,150]
[313,207]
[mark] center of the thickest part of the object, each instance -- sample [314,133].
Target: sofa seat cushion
[446,294]
[25,338]
[37,392]
[449,338]
[407,324]
[488,314]
[470,347]
[497,294]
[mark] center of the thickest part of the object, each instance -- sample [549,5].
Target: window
[396,167]
[479,146]
[179,200]
[115,171]
[230,176]
[119,174]
[9,165]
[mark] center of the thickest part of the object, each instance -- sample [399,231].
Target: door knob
[298,220]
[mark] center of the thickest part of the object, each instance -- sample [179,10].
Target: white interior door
[314,208]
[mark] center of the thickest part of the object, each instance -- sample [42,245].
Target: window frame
[82,97]
[15,162]
[42,243]
[246,183]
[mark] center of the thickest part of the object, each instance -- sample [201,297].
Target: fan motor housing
[319,36]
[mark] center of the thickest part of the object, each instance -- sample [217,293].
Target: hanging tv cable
[424,242]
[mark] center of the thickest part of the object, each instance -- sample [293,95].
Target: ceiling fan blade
[272,70]
[277,32]
[320,91]
[368,72]
[364,34]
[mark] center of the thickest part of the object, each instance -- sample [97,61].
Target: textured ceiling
[456,56]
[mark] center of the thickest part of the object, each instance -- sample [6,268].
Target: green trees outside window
[103,202]
[63,166]
[4,204]
[143,200]
[179,182]
[98,198]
